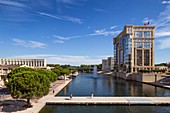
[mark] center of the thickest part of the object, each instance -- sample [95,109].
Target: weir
[109,101]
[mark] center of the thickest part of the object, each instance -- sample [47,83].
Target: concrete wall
[141,77]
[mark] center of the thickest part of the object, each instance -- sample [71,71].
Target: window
[147,34]
[139,57]
[147,45]
[138,34]
[138,44]
[146,57]
[129,30]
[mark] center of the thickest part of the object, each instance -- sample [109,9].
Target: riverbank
[155,79]
[55,88]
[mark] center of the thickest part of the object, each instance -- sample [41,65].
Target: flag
[145,24]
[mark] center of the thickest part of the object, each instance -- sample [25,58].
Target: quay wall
[149,78]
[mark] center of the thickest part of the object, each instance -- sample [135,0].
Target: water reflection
[84,84]
[104,109]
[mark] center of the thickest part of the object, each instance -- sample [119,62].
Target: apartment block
[134,49]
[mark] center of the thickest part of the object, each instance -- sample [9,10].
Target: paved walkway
[37,106]
[111,100]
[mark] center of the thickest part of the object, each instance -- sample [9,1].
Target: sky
[77,31]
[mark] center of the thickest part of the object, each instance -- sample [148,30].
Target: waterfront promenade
[110,100]
[56,87]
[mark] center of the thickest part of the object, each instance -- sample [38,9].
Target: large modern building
[108,64]
[6,64]
[134,49]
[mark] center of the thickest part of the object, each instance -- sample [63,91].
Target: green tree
[18,70]
[99,67]
[65,71]
[57,70]
[27,85]
[50,74]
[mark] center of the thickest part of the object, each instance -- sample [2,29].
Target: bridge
[109,101]
[83,69]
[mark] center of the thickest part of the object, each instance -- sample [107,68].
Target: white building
[7,64]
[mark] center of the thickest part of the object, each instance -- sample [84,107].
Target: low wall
[141,77]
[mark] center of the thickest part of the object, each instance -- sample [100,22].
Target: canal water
[102,85]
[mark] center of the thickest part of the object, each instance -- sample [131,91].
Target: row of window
[23,63]
[143,29]
[145,34]
[143,45]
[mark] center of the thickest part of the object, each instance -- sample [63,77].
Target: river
[102,85]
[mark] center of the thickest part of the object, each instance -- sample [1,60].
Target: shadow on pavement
[12,105]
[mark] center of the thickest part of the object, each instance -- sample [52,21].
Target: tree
[50,74]
[99,67]
[18,70]
[65,71]
[27,84]
[57,70]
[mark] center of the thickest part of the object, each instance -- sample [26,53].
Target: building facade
[104,65]
[134,49]
[7,64]
[108,64]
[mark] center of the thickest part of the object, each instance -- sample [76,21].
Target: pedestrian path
[59,85]
[111,100]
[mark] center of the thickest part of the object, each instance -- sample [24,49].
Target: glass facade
[127,53]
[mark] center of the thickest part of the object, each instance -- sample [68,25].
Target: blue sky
[77,31]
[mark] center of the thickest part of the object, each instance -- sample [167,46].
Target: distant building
[134,49]
[161,68]
[7,64]
[108,64]
[168,63]
[105,65]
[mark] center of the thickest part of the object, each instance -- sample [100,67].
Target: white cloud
[60,37]
[165,2]
[164,43]
[66,18]
[162,23]
[71,2]
[11,3]
[162,26]
[160,33]
[31,44]
[112,27]
[104,32]
[59,41]
[66,59]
